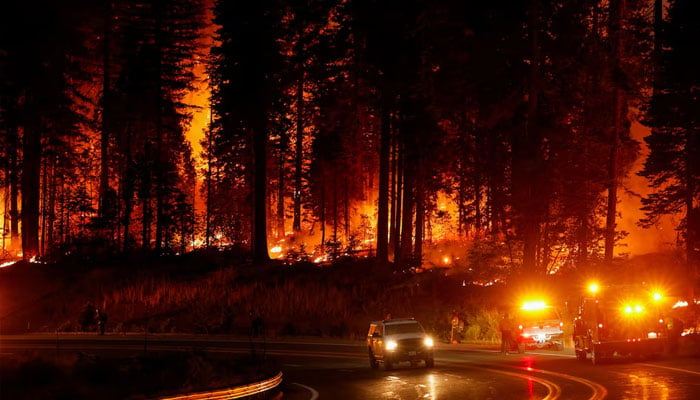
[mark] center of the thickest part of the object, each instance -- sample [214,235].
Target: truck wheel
[429,362]
[372,361]
[581,355]
[596,357]
[388,366]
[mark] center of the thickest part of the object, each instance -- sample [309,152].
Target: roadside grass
[211,294]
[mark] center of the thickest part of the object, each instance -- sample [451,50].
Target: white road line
[686,371]
[551,354]
[314,393]
[514,354]
[299,343]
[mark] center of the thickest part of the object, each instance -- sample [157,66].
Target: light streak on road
[553,390]
[685,371]
[599,391]
[238,392]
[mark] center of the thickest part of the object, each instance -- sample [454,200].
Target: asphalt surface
[325,369]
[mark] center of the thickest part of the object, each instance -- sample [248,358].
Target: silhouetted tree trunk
[346,208]
[280,192]
[260,253]
[159,163]
[335,207]
[323,215]
[420,213]
[478,215]
[146,200]
[14,188]
[51,217]
[31,169]
[105,136]
[616,10]
[299,154]
[208,177]
[392,192]
[530,214]
[383,200]
[398,201]
[407,213]
[127,188]
[5,207]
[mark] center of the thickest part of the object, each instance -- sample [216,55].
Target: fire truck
[620,321]
[540,325]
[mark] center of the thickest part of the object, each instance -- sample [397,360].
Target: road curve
[324,369]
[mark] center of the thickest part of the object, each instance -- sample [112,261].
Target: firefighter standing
[454,332]
[506,326]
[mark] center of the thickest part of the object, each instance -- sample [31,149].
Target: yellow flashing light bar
[534,305]
[636,309]
[593,288]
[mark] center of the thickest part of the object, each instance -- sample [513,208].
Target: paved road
[340,370]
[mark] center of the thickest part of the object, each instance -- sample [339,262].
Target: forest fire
[273,169]
[362,151]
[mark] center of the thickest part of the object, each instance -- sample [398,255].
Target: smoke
[660,237]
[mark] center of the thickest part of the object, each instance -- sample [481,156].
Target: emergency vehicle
[539,325]
[625,320]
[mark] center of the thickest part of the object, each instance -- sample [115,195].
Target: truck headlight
[428,342]
[391,345]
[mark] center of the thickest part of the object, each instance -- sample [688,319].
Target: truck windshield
[409,327]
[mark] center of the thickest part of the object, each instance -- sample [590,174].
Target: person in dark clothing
[100,320]
[674,329]
[506,327]
[257,324]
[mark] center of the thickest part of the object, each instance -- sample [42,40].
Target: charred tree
[383,201]
[31,169]
[615,27]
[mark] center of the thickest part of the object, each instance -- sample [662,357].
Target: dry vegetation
[206,294]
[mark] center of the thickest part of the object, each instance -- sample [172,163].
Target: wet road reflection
[461,381]
[341,371]
[647,384]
